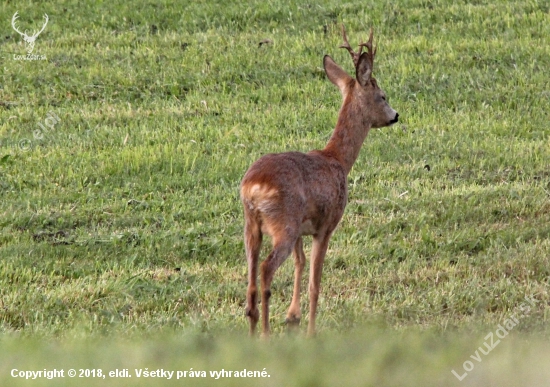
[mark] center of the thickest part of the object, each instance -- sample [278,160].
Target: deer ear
[363,71]
[335,73]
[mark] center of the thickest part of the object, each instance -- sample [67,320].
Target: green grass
[370,357]
[124,219]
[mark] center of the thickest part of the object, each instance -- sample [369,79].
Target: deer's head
[363,90]
[29,40]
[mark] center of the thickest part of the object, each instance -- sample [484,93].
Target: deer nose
[395,119]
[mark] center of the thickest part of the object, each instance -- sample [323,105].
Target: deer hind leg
[253,243]
[318,252]
[282,246]
[294,313]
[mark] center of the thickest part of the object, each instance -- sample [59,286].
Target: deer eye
[383,98]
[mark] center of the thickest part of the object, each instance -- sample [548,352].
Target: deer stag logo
[29,40]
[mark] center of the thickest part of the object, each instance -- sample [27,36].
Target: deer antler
[371,52]
[13,20]
[355,55]
[44,26]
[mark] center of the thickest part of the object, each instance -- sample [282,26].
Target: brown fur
[288,195]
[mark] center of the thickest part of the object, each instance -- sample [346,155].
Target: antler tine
[370,50]
[43,26]
[13,20]
[354,55]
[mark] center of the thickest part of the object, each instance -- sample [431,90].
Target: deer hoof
[292,321]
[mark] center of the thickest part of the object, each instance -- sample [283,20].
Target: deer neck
[349,134]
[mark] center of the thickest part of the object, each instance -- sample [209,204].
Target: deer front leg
[318,252]
[294,313]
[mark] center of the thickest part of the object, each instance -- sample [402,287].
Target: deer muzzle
[395,119]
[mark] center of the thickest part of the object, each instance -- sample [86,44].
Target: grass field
[120,220]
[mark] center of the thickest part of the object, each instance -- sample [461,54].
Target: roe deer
[288,195]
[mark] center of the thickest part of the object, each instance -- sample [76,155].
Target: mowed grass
[124,219]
